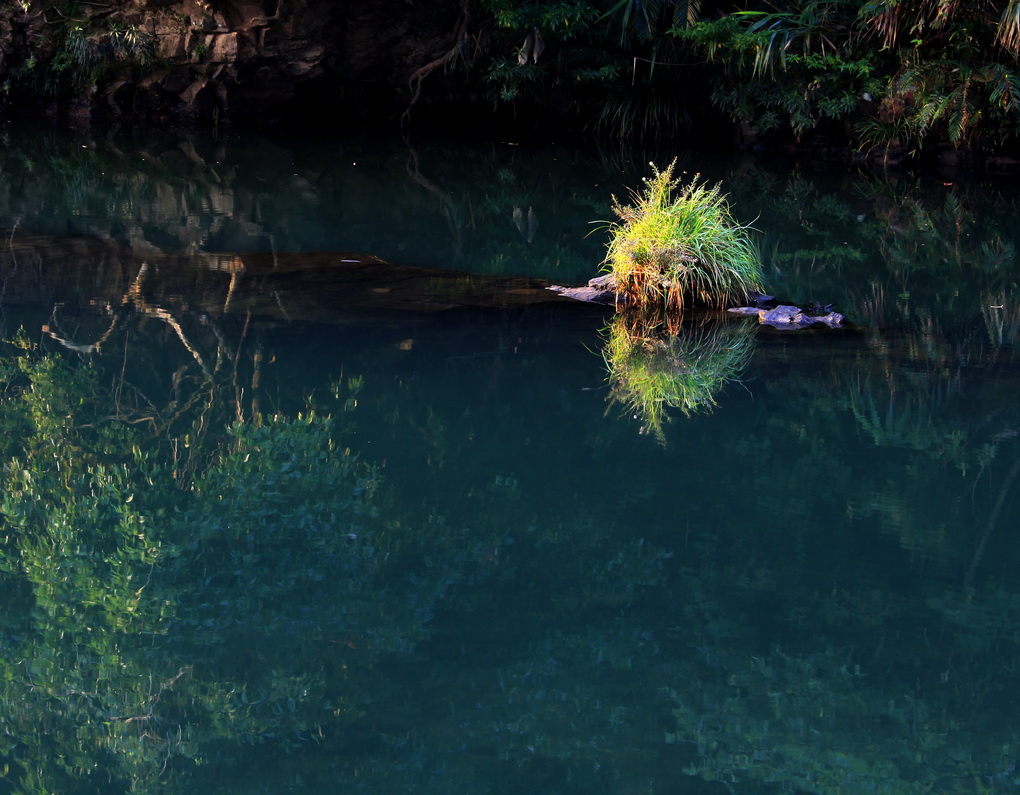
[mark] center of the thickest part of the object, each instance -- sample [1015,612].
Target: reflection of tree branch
[169,319]
[236,268]
[153,701]
[199,396]
[134,298]
[979,553]
[446,203]
[14,258]
[185,407]
[75,346]
[239,391]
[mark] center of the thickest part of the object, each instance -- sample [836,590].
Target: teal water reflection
[427,550]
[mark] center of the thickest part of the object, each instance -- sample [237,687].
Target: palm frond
[883,18]
[686,13]
[1008,34]
[1005,88]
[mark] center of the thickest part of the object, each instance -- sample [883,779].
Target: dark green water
[255,540]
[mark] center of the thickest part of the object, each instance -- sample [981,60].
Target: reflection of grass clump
[651,369]
[670,249]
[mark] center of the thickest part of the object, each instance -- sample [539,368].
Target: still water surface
[268,527]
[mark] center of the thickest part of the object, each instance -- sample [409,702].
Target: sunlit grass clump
[652,367]
[678,244]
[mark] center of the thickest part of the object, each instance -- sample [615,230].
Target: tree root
[460,36]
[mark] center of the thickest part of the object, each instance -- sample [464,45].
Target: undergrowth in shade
[677,244]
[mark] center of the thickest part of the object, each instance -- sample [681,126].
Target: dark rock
[783,317]
[789,318]
[247,59]
[832,320]
[793,317]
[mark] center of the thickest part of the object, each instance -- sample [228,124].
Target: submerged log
[325,283]
[329,287]
[325,287]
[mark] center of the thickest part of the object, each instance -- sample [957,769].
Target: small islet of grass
[678,245]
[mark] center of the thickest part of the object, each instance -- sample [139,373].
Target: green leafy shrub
[85,53]
[885,74]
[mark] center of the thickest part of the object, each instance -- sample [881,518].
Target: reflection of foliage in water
[273,593]
[881,247]
[886,249]
[479,209]
[892,420]
[821,723]
[652,368]
[917,399]
[810,566]
[166,610]
[899,410]
[794,714]
[137,592]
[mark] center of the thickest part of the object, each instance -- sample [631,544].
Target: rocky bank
[216,61]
